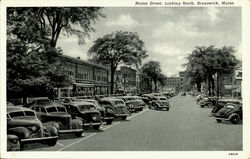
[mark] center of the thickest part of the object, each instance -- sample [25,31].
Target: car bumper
[92,124]
[121,115]
[71,131]
[39,139]
[225,119]
[107,118]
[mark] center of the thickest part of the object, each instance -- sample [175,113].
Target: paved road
[186,127]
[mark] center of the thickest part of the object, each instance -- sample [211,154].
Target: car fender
[50,129]
[77,123]
[20,132]
[232,115]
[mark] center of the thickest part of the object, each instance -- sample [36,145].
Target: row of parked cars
[223,109]
[43,120]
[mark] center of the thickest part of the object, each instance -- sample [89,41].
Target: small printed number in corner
[233,154]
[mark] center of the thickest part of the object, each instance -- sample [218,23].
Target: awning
[84,85]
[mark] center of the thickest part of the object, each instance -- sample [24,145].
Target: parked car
[147,98]
[106,114]
[133,103]
[13,143]
[55,113]
[24,124]
[160,103]
[230,112]
[221,103]
[183,94]
[207,102]
[118,106]
[87,111]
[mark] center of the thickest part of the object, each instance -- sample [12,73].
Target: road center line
[76,142]
[138,113]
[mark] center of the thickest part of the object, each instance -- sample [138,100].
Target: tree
[32,65]
[205,62]
[73,20]
[162,79]
[116,48]
[152,70]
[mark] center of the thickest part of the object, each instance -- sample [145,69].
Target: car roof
[17,108]
[81,103]
[51,104]
[111,99]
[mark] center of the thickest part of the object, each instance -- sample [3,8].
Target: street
[186,127]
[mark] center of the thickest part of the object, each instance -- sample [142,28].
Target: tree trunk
[212,83]
[112,80]
[155,81]
[209,87]
[198,86]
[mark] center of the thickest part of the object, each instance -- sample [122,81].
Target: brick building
[89,78]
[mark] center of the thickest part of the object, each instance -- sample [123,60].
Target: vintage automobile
[13,143]
[221,102]
[230,112]
[118,106]
[147,98]
[23,123]
[55,113]
[86,111]
[207,102]
[106,114]
[133,103]
[160,103]
[183,94]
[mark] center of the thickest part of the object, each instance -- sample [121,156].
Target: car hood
[223,112]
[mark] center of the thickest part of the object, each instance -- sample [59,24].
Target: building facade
[173,84]
[125,80]
[88,78]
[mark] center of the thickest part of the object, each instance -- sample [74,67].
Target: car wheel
[52,142]
[167,109]
[218,120]
[202,106]
[109,121]
[78,134]
[96,127]
[124,117]
[235,119]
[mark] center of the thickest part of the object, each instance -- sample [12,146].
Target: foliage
[116,48]
[152,70]
[204,62]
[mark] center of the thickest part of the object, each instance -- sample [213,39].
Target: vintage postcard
[125,79]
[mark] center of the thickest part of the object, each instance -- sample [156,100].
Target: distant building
[88,78]
[183,80]
[126,80]
[173,84]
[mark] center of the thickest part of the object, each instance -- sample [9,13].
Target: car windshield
[86,107]
[16,114]
[51,109]
[163,99]
[119,102]
[29,113]
[61,109]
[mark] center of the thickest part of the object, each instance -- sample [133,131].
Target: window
[61,109]
[43,110]
[51,109]
[29,113]
[16,114]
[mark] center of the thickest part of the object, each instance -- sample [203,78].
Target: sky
[169,33]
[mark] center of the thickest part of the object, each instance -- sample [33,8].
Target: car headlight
[80,123]
[130,106]
[33,128]
[56,125]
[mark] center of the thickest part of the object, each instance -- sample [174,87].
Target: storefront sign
[238,74]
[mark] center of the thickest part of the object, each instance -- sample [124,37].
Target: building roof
[84,62]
